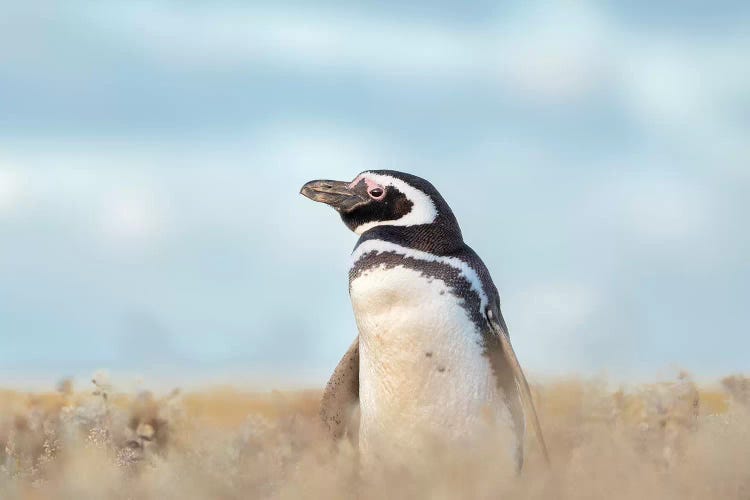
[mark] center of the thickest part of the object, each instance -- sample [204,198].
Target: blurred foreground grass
[662,440]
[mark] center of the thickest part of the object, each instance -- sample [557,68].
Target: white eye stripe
[466,271]
[423,209]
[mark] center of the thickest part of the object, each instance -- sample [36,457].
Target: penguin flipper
[341,394]
[506,381]
[497,323]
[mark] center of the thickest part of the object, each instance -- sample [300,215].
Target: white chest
[422,369]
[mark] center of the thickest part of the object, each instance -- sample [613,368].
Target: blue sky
[596,155]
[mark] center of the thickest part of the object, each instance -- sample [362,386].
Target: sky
[596,155]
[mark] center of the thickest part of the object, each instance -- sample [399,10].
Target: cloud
[661,209]
[550,323]
[666,85]
[11,189]
[668,212]
[553,311]
[687,94]
[236,198]
[133,217]
[556,53]
[215,36]
[300,145]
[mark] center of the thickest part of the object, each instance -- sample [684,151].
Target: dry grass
[664,440]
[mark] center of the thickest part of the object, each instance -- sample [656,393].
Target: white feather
[423,376]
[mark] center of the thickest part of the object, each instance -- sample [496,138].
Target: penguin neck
[437,239]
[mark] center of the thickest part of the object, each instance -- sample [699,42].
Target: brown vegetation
[664,440]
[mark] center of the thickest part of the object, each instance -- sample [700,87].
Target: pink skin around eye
[370,185]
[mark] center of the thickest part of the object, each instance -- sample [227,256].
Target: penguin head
[382,198]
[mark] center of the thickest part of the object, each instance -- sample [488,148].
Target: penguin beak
[337,194]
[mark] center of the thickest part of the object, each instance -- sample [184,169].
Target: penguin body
[431,363]
[424,376]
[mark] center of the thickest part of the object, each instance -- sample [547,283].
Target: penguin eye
[376,192]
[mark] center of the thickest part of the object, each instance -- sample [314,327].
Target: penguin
[433,360]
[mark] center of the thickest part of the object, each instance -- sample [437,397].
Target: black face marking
[428,354]
[445,219]
[389,206]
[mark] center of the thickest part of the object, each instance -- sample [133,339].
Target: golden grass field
[668,440]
